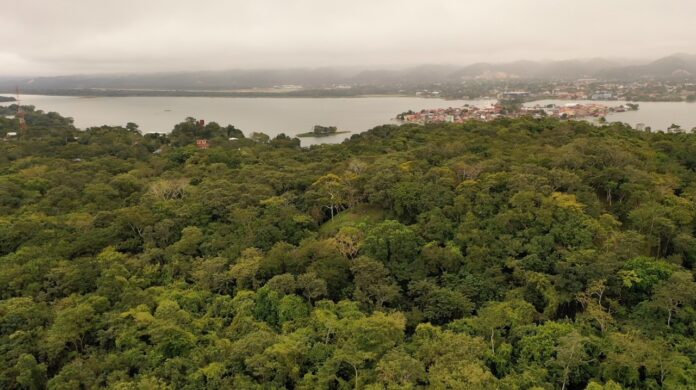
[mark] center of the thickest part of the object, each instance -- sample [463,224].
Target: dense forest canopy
[515,254]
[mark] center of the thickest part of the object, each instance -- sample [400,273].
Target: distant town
[512,109]
[579,89]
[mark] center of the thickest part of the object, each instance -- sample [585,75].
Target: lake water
[269,115]
[658,115]
[298,115]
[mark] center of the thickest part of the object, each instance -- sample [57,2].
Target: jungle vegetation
[514,254]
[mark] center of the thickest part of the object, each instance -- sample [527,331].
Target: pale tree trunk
[565,378]
[566,372]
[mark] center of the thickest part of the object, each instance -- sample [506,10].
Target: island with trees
[510,254]
[322,131]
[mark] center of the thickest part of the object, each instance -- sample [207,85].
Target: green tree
[31,375]
[373,285]
[495,319]
[246,269]
[677,292]
[394,244]
[329,192]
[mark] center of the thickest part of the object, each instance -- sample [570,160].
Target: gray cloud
[95,36]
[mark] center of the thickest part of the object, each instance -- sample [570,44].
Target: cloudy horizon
[84,37]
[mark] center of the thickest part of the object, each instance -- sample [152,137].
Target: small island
[322,131]
[5,99]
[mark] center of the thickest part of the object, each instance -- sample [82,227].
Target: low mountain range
[676,66]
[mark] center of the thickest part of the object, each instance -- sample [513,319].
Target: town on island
[513,108]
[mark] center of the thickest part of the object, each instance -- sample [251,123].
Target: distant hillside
[674,66]
[233,79]
[536,70]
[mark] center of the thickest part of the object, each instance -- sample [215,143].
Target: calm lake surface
[269,115]
[298,115]
[658,115]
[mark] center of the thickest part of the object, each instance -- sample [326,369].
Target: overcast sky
[48,37]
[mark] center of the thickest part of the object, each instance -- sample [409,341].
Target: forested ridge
[515,254]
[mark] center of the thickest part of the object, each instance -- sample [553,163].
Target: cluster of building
[498,110]
[579,89]
[644,90]
[577,110]
[451,114]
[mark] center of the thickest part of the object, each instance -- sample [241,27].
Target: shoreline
[310,94]
[209,94]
